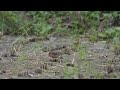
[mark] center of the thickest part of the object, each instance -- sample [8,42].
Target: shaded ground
[34,59]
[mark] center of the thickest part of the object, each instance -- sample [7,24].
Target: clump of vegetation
[93,38]
[70,72]
[44,23]
[23,56]
[117,50]
[116,46]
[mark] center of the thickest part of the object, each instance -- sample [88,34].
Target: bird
[55,54]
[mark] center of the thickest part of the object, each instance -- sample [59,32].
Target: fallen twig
[21,36]
[73,58]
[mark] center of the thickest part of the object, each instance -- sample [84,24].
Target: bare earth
[32,60]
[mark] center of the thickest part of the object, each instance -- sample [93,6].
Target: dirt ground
[34,60]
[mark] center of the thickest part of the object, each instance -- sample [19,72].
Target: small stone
[51,64]
[45,67]
[5,55]
[32,39]
[80,76]
[19,75]
[38,71]
[14,55]
[69,64]
[57,73]
[0,58]
[24,74]
[92,77]
[46,38]
[2,71]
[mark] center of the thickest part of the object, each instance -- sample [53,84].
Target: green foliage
[70,72]
[13,20]
[93,38]
[116,42]
[83,52]
[110,33]
[102,35]
[23,57]
[46,22]
[117,49]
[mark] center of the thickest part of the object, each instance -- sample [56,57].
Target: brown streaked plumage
[54,54]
